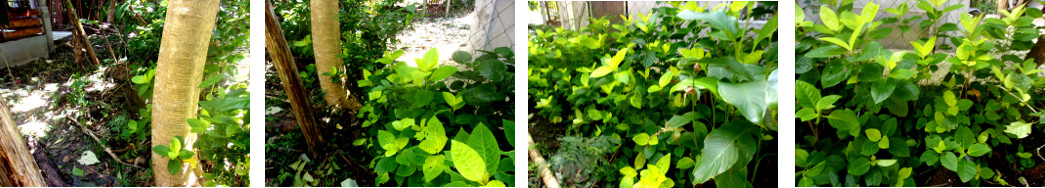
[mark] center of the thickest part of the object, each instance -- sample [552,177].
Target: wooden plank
[23,12]
[24,22]
[22,33]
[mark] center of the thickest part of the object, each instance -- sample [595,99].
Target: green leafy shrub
[422,133]
[687,84]
[896,112]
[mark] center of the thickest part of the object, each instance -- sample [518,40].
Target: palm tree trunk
[279,52]
[17,166]
[179,71]
[326,37]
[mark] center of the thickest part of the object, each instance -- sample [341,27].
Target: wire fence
[494,25]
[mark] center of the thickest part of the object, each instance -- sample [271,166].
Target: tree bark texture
[82,35]
[17,166]
[179,71]
[291,81]
[326,41]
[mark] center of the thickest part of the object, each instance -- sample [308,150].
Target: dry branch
[107,148]
[546,174]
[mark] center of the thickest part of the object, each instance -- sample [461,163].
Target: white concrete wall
[22,51]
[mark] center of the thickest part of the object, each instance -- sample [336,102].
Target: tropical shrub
[897,114]
[424,133]
[685,94]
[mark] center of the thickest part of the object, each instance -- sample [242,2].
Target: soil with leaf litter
[45,107]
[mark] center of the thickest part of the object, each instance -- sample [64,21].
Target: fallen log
[47,167]
[17,166]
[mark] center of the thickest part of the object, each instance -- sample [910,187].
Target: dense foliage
[424,132]
[898,115]
[679,96]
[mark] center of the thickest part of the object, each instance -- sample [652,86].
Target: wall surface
[22,51]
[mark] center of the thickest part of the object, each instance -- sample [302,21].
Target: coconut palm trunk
[183,53]
[326,37]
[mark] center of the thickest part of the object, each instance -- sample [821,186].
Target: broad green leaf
[433,167]
[723,147]
[619,57]
[430,60]
[685,163]
[838,42]
[442,72]
[748,97]
[485,144]
[186,155]
[212,79]
[403,124]
[859,166]
[949,98]
[886,162]
[174,166]
[435,137]
[979,149]
[495,183]
[843,119]
[807,94]
[386,165]
[825,52]
[884,144]
[643,139]
[719,20]
[873,134]
[882,90]
[197,125]
[949,161]
[664,162]
[422,97]
[387,142]
[175,146]
[966,170]
[601,71]
[827,102]
[461,57]
[1019,128]
[468,162]
[964,136]
[666,79]
[679,120]
[829,18]
[163,150]
[636,101]
[806,114]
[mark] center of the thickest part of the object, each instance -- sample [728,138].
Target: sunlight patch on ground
[29,99]
[98,82]
[35,128]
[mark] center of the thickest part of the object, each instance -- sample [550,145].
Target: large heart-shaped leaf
[748,97]
[723,148]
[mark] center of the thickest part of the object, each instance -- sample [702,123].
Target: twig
[107,149]
[8,66]
[546,175]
